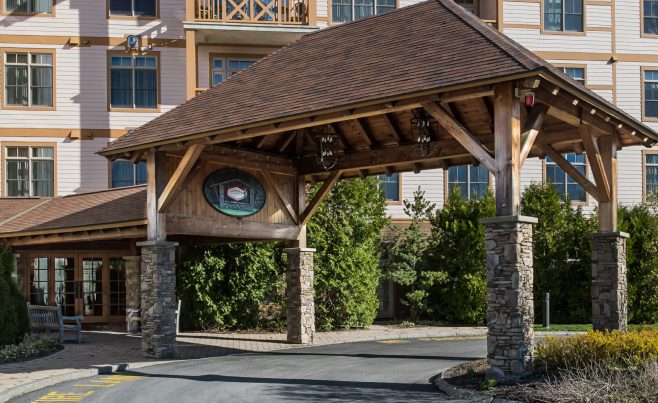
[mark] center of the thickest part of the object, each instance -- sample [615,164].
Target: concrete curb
[462,395]
[17,391]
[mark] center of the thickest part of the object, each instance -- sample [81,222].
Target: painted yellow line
[64,397]
[104,382]
[394,341]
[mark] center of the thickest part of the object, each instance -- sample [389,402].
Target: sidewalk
[105,351]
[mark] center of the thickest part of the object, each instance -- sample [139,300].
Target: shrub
[31,346]
[457,251]
[226,286]
[616,349]
[13,311]
[345,230]
[642,262]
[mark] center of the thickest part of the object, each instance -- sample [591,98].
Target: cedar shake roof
[428,46]
[81,210]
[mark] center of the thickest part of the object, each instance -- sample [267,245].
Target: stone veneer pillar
[609,282]
[300,304]
[510,308]
[158,289]
[133,289]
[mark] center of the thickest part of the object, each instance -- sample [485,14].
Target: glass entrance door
[93,292]
[65,285]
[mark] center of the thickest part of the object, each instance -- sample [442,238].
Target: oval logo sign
[234,193]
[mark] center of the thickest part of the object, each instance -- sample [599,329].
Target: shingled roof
[76,211]
[426,47]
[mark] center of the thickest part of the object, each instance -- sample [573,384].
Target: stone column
[510,315]
[300,305]
[609,282]
[158,289]
[133,291]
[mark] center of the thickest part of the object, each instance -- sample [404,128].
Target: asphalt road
[377,371]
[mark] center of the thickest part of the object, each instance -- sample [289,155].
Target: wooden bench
[49,318]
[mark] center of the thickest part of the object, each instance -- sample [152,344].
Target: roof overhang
[247,34]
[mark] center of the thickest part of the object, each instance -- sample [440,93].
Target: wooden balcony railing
[254,11]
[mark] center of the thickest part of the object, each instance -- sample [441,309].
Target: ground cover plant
[29,347]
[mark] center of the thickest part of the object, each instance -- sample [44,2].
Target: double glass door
[89,285]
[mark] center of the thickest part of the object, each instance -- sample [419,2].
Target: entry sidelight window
[29,171]
[562,182]
[472,181]
[352,10]
[134,8]
[39,281]
[134,82]
[28,6]
[563,15]
[29,79]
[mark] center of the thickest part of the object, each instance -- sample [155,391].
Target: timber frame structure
[494,103]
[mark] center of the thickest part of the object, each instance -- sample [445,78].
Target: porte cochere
[428,86]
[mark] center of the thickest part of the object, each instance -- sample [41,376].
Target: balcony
[275,12]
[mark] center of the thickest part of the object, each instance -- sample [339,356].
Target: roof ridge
[15,216]
[476,23]
[99,191]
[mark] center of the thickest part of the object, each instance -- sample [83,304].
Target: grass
[585,327]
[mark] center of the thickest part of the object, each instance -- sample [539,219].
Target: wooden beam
[173,188]
[507,120]
[320,196]
[155,184]
[363,130]
[463,136]
[279,195]
[229,227]
[287,139]
[561,108]
[608,210]
[596,163]
[249,159]
[465,95]
[392,127]
[300,205]
[531,129]
[261,142]
[571,171]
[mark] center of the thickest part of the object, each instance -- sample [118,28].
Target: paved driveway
[381,371]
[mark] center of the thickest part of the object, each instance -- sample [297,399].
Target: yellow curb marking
[64,397]
[396,341]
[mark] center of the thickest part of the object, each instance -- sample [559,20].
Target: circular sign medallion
[234,193]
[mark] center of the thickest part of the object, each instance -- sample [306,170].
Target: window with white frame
[134,82]
[225,67]
[563,15]
[29,171]
[28,6]
[577,73]
[650,14]
[472,181]
[565,185]
[352,10]
[125,173]
[467,4]
[29,79]
[390,185]
[133,8]
[651,176]
[651,93]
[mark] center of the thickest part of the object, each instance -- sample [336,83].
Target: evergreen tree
[13,311]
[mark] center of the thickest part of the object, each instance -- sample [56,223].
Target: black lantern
[423,127]
[327,144]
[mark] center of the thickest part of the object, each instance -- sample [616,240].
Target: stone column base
[609,282]
[510,308]
[158,284]
[300,304]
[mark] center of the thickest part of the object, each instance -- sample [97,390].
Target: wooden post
[608,209]
[156,182]
[300,207]
[507,116]
[191,63]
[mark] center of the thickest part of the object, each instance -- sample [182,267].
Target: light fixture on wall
[423,127]
[327,144]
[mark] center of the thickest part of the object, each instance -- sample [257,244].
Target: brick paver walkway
[100,348]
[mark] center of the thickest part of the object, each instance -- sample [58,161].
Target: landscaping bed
[31,347]
[592,367]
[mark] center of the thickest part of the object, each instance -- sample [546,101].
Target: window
[563,15]
[650,93]
[134,82]
[563,183]
[352,10]
[651,176]
[472,181]
[39,281]
[577,73]
[467,4]
[390,185]
[650,17]
[28,6]
[133,8]
[117,287]
[29,79]
[223,68]
[29,171]
[125,173]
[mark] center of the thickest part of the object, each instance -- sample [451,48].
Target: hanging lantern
[327,144]
[423,127]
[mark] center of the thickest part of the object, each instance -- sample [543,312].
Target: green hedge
[13,311]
